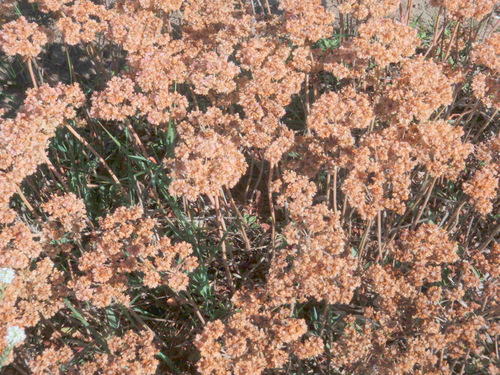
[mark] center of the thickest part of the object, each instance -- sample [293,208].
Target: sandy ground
[423,12]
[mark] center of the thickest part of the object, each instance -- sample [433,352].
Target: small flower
[6,275]
[15,335]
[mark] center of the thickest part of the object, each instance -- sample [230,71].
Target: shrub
[249,187]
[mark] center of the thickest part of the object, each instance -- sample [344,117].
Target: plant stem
[96,154]
[32,74]
[271,206]
[421,211]
[451,41]
[221,225]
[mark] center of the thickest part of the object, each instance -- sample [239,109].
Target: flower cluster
[31,288]
[204,163]
[134,353]
[385,41]
[23,140]
[462,9]
[67,215]
[23,38]
[126,245]
[252,340]
[486,84]
[363,9]
[82,21]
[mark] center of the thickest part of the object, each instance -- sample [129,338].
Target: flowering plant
[249,187]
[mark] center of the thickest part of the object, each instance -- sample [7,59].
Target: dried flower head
[438,146]
[23,38]
[52,360]
[487,89]
[133,353]
[251,341]
[385,41]
[334,116]
[488,53]
[380,174]
[117,101]
[67,214]
[419,90]
[211,72]
[166,6]
[83,21]
[362,9]
[306,21]
[50,5]
[204,163]
[466,8]
[126,245]
[483,188]
[23,140]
